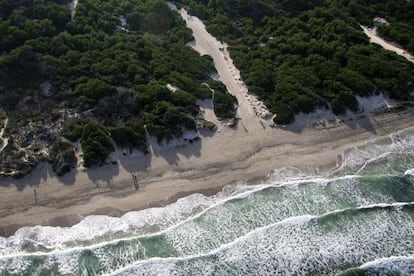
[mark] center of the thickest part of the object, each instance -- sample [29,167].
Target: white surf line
[374,38]
[301,219]
[370,159]
[242,195]
[386,260]
[292,220]
[5,141]
[250,109]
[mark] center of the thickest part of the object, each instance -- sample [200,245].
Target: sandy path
[250,109]
[251,150]
[73,6]
[5,141]
[374,38]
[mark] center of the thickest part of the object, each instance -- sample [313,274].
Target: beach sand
[249,151]
[226,157]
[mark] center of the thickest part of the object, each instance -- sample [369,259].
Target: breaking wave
[356,218]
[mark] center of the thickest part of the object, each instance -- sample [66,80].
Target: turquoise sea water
[356,220]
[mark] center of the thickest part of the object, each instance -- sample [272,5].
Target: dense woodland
[101,77]
[297,55]
[400,15]
[106,72]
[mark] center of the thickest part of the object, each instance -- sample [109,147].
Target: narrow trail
[73,6]
[250,109]
[222,157]
[374,38]
[5,141]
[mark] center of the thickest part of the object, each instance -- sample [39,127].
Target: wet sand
[227,157]
[247,152]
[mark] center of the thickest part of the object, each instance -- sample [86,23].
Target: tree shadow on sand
[134,162]
[104,175]
[354,121]
[207,106]
[171,151]
[363,122]
[38,175]
[239,125]
[207,133]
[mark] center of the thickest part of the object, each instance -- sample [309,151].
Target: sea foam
[298,245]
[360,159]
[409,172]
[196,227]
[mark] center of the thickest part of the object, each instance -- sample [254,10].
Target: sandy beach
[248,152]
[227,157]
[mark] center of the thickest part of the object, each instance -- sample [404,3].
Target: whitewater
[358,217]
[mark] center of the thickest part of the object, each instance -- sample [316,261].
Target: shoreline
[63,205]
[70,220]
[248,153]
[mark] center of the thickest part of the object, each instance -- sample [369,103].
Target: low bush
[96,144]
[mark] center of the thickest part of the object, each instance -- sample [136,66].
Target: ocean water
[358,219]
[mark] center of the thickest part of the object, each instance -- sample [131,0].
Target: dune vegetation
[107,67]
[298,55]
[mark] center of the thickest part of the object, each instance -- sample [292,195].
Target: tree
[134,21]
[96,144]
[283,114]
[95,89]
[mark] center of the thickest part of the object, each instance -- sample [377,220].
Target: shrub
[96,144]
[95,89]
[62,157]
[127,137]
[284,115]
[224,105]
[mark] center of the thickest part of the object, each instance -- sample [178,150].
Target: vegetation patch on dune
[300,55]
[100,74]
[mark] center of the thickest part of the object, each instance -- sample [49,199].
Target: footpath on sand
[374,38]
[249,151]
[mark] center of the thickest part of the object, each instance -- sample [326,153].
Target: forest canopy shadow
[134,162]
[354,121]
[38,175]
[100,176]
[170,151]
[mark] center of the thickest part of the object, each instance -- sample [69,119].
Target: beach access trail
[4,141]
[251,150]
[250,110]
[72,6]
[374,38]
